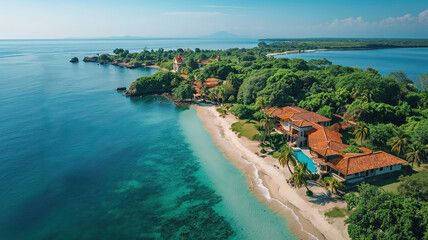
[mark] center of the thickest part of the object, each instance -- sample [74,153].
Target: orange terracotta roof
[319,134]
[184,76]
[213,80]
[363,162]
[269,110]
[298,114]
[301,123]
[311,117]
[179,58]
[328,148]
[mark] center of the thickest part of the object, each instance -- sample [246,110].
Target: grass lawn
[337,212]
[245,128]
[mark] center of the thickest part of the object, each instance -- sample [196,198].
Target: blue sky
[188,18]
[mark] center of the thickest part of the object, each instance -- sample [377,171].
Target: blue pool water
[303,158]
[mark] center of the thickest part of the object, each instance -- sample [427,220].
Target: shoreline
[295,51]
[305,214]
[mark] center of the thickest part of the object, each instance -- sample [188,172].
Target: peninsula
[307,134]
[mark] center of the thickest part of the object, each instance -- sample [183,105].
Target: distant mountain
[224,35]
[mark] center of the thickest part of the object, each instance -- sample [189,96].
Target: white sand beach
[268,182]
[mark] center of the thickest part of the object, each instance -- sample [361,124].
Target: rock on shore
[74,60]
[90,59]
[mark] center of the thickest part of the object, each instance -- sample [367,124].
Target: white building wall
[362,175]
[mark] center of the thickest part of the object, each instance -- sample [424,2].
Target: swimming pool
[301,157]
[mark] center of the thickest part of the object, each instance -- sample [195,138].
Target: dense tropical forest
[390,112]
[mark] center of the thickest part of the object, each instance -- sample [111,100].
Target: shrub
[263,150]
[242,111]
[351,149]
[259,115]
[232,99]
[314,176]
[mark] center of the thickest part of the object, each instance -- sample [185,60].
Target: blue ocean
[80,161]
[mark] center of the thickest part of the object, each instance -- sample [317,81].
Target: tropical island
[352,143]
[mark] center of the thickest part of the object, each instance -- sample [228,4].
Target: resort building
[295,122]
[308,129]
[178,63]
[210,84]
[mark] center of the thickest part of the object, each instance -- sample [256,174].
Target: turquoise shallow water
[80,161]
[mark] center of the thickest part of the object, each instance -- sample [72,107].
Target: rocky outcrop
[90,59]
[121,89]
[74,60]
[132,91]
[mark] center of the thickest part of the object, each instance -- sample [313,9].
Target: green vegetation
[184,91]
[343,44]
[337,213]
[157,83]
[415,186]
[286,157]
[380,214]
[333,185]
[351,149]
[245,128]
[222,112]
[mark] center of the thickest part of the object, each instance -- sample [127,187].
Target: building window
[380,169]
[390,168]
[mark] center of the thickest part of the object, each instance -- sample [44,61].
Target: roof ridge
[363,154]
[347,167]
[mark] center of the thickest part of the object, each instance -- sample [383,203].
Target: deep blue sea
[80,161]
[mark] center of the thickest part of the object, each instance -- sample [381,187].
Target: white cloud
[423,16]
[407,18]
[195,14]
[348,22]
[217,6]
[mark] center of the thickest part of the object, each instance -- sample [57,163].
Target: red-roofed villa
[308,129]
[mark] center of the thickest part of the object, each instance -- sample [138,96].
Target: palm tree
[201,79]
[286,156]
[333,185]
[361,132]
[267,124]
[205,91]
[366,95]
[416,154]
[398,142]
[221,93]
[262,103]
[301,175]
[216,92]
